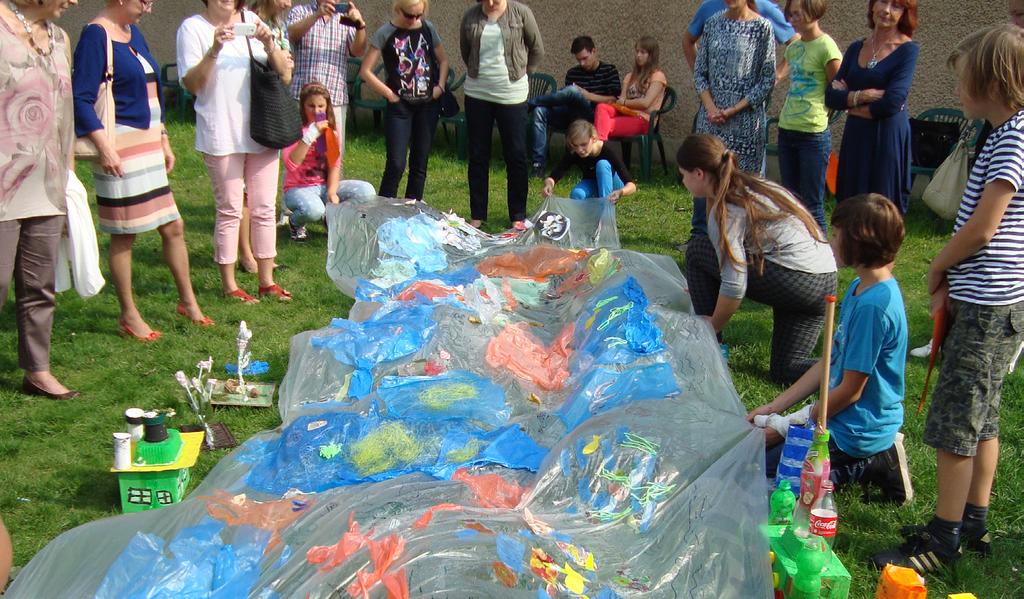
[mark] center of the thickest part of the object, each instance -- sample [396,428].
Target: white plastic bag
[78,256]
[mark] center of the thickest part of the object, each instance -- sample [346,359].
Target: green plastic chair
[351,75]
[457,122]
[946,115]
[375,105]
[183,100]
[647,140]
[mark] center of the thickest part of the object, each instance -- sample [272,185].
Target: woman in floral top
[36,134]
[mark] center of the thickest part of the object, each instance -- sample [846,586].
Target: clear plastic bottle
[824,516]
[815,472]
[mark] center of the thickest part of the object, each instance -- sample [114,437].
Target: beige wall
[616,24]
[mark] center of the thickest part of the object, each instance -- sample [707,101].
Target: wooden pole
[826,358]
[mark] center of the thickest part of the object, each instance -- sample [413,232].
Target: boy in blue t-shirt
[866,377]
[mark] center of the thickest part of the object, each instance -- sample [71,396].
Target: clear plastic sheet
[407,465]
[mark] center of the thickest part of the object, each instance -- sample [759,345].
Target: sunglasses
[410,16]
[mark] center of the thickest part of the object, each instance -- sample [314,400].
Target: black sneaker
[921,551]
[890,472]
[537,171]
[978,543]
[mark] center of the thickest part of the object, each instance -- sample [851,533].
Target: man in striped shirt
[322,40]
[590,82]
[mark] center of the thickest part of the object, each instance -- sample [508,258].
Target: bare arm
[690,48]
[299,29]
[725,307]
[646,103]
[197,77]
[367,75]
[843,395]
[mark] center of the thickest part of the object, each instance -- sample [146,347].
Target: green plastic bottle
[782,502]
[809,562]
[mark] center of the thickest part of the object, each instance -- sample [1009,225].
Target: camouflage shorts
[975,357]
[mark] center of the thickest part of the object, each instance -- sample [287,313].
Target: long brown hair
[315,88]
[641,76]
[733,186]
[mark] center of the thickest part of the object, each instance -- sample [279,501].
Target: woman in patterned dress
[35,154]
[130,177]
[734,75]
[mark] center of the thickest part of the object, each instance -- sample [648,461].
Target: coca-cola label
[823,523]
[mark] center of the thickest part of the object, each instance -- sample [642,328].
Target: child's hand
[939,300]
[311,134]
[614,196]
[765,410]
[549,186]
[333,198]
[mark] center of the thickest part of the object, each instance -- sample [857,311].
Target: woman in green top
[804,139]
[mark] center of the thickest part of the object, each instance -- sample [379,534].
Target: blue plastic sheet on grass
[196,563]
[447,396]
[615,328]
[255,367]
[385,337]
[319,452]
[601,390]
[417,239]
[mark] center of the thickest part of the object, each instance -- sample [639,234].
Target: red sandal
[241,295]
[127,331]
[205,321]
[277,291]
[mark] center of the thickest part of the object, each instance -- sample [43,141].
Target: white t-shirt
[492,82]
[222,106]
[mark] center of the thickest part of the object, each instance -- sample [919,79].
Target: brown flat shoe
[30,388]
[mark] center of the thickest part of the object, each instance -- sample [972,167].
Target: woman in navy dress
[872,85]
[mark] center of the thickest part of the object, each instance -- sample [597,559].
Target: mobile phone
[245,29]
[321,117]
[342,7]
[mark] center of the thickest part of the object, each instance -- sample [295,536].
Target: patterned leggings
[796,299]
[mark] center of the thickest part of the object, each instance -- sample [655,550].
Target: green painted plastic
[835,580]
[141,491]
[156,454]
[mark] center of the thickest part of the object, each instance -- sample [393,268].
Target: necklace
[28,30]
[875,48]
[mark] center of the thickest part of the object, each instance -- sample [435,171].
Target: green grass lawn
[54,456]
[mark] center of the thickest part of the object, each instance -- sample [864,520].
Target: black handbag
[274,118]
[931,142]
[449,105]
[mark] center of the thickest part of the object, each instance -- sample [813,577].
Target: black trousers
[408,129]
[796,299]
[481,117]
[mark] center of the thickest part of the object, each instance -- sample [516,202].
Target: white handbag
[946,189]
[78,255]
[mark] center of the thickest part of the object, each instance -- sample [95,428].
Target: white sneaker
[283,221]
[922,352]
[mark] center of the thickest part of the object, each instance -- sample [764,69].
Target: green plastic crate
[835,581]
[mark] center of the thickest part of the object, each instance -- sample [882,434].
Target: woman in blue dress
[872,86]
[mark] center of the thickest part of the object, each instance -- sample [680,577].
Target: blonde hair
[404,4]
[990,63]
[733,186]
[263,10]
[580,131]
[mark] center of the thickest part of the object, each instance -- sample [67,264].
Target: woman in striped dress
[130,177]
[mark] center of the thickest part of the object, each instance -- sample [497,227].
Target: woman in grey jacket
[500,42]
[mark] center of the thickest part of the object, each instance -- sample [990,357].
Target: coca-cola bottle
[824,517]
[815,472]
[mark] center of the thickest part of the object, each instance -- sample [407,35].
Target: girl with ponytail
[761,243]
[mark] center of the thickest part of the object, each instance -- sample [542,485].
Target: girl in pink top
[313,164]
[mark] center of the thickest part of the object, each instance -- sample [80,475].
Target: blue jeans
[308,203]
[557,110]
[408,129]
[607,181]
[803,160]
[844,468]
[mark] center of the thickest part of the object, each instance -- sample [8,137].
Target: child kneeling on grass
[313,164]
[978,280]
[604,173]
[866,377]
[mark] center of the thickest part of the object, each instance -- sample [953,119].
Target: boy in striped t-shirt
[978,279]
